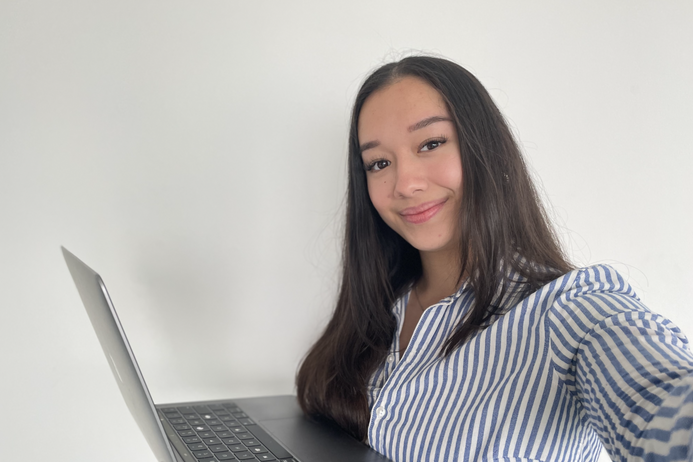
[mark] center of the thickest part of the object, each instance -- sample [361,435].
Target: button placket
[384,416]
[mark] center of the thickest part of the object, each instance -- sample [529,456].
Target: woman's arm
[631,373]
[633,377]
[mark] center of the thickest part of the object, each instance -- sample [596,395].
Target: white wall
[194,153]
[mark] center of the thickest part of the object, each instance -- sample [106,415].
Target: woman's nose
[410,179]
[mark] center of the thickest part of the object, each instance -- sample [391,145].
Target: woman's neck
[440,276]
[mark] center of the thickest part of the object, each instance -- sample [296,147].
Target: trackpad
[310,441]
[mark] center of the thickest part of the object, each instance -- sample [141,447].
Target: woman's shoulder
[598,299]
[575,287]
[592,292]
[594,278]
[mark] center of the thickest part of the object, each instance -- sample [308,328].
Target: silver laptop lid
[119,355]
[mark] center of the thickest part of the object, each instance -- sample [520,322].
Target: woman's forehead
[402,107]
[405,102]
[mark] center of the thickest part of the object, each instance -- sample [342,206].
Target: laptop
[269,428]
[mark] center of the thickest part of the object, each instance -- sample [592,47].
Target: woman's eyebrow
[417,126]
[428,121]
[369,145]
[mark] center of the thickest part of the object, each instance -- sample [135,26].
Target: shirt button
[380,412]
[390,358]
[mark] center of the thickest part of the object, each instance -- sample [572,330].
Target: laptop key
[244,456]
[230,441]
[246,421]
[269,442]
[257,449]
[225,456]
[197,447]
[183,433]
[267,456]
[225,434]
[191,439]
[244,436]
[237,448]
[202,454]
[251,442]
[218,448]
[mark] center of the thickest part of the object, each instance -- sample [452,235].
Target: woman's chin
[432,245]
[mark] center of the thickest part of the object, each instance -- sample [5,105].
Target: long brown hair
[501,217]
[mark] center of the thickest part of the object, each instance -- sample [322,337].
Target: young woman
[461,331]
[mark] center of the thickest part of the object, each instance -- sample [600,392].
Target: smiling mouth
[422,213]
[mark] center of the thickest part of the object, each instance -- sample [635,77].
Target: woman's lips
[422,213]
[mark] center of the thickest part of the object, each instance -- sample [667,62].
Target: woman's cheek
[449,173]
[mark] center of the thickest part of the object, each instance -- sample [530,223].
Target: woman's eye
[377,165]
[432,144]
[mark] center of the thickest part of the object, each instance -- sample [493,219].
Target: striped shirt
[578,364]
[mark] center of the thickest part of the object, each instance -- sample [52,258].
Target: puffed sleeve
[630,372]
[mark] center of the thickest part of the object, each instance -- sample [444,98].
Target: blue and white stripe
[577,364]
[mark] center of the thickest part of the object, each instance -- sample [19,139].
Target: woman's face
[411,154]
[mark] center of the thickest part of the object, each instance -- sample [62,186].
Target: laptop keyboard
[220,432]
